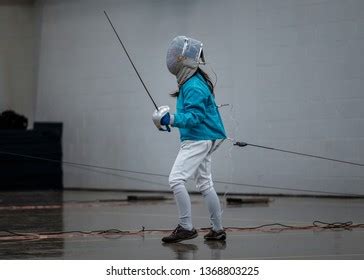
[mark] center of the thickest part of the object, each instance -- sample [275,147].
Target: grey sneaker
[180,234]
[215,235]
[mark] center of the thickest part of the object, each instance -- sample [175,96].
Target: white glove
[161,117]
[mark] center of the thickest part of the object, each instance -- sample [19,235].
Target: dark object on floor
[237,201]
[18,170]
[145,198]
[11,120]
[180,234]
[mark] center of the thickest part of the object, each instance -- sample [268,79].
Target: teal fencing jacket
[197,115]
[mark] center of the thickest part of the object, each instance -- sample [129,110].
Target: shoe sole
[182,239]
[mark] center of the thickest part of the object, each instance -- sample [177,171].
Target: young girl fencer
[200,126]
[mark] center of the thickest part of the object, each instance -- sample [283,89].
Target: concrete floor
[104,210]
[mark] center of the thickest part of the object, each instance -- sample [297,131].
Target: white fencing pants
[194,160]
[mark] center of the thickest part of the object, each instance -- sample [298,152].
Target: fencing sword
[136,71]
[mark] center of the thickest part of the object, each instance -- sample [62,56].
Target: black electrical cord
[56,233]
[290,189]
[116,233]
[92,169]
[243,144]
[89,166]
[220,182]
[78,164]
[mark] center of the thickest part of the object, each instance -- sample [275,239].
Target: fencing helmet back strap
[184,55]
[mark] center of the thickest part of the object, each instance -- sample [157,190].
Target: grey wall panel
[17,60]
[292,70]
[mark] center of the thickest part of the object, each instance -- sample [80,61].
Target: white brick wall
[293,70]
[18,59]
[310,73]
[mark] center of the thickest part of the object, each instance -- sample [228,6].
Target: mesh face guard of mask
[184,55]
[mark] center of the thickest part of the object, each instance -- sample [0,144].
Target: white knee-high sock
[184,206]
[213,205]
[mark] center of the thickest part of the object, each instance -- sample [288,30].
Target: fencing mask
[184,55]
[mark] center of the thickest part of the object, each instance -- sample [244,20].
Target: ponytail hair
[207,79]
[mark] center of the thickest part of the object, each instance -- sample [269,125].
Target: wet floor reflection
[216,248]
[325,244]
[30,220]
[186,251]
[182,251]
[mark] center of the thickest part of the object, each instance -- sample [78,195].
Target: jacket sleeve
[195,100]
